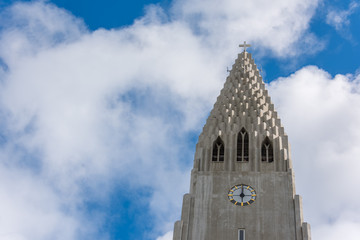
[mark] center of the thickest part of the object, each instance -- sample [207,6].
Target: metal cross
[245,46]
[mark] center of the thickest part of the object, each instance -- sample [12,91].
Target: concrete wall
[271,216]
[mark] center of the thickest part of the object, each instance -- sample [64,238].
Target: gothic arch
[242,154]
[218,150]
[267,151]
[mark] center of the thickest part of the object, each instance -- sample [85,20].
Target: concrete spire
[215,208]
[244,102]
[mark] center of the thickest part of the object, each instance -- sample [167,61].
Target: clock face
[242,195]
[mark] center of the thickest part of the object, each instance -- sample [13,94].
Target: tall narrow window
[241,234]
[243,146]
[267,153]
[218,150]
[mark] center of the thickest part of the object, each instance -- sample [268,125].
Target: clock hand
[242,193]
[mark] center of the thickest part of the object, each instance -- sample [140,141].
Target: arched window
[267,153]
[218,150]
[243,146]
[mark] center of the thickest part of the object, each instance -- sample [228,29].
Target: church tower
[242,183]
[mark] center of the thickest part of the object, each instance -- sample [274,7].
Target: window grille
[267,152]
[243,146]
[218,150]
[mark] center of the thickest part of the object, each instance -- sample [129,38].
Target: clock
[242,195]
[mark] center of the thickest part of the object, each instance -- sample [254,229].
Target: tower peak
[245,46]
[244,103]
[242,177]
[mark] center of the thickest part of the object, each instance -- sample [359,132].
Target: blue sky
[340,44]
[101,104]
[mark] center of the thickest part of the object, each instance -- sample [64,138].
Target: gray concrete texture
[276,214]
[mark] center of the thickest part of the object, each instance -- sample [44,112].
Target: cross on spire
[245,46]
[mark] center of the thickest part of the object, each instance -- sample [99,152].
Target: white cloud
[321,114]
[83,112]
[339,229]
[30,209]
[33,26]
[339,19]
[167,236]
[279,26]
[106,108]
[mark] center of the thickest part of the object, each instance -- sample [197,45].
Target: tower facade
[242,183]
